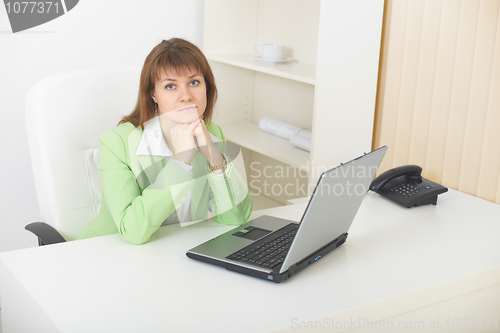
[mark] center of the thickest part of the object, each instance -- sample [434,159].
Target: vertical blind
[438,100]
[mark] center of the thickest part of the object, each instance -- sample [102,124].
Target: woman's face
[174,92]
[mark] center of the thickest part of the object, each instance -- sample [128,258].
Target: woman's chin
[181,118]
[186,119]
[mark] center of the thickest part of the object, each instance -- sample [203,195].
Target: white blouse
[153,143]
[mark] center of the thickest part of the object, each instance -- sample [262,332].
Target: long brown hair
[176,55]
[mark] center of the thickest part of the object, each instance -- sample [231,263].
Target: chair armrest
[46,234]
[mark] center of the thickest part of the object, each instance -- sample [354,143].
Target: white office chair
[65,115]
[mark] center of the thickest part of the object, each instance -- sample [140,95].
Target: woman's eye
[195,83]
[170,86]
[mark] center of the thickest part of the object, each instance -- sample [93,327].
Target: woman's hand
[201,134]
[206,146]
[182,136]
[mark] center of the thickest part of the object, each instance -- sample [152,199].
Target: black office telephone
[405,186]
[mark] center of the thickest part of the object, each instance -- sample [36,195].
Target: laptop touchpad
[251,233]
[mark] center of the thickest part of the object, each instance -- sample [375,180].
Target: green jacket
[139,192]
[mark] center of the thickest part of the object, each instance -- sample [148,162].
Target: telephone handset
[405,186]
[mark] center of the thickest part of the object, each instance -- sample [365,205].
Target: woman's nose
[185,95]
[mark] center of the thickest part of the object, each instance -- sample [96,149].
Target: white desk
[399,265]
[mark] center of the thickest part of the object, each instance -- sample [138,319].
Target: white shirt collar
[152,141]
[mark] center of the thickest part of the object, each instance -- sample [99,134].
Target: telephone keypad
[407,190]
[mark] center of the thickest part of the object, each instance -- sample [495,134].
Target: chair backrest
[65,115]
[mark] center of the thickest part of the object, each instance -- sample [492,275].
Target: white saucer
[280,61]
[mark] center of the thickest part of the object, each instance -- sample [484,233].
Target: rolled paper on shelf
[278,128]
[302,140]
[305,133]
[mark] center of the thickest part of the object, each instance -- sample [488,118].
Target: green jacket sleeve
[230,200]
[137,212]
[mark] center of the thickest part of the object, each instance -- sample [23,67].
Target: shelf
[298,201]
[263,202]
[292,70]
[249,135]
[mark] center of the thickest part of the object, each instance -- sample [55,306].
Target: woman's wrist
[184,157]
[218,166]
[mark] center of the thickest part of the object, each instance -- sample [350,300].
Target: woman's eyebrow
[190,76]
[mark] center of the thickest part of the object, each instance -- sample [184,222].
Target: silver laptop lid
[333,205]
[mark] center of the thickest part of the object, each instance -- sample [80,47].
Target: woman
[165,163]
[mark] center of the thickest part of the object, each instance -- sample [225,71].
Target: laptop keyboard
[270,251]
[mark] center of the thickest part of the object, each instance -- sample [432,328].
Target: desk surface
[108,285]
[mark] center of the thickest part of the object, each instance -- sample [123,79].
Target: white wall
[94,34]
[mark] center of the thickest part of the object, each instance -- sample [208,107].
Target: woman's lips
[187,108]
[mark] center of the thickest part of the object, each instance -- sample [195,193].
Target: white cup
[270,51]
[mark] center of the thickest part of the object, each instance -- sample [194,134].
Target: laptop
[276,249]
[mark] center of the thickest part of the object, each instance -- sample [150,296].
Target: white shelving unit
[329,87]
[293,70]
[249,135]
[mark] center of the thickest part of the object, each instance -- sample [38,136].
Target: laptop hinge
[316,255]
